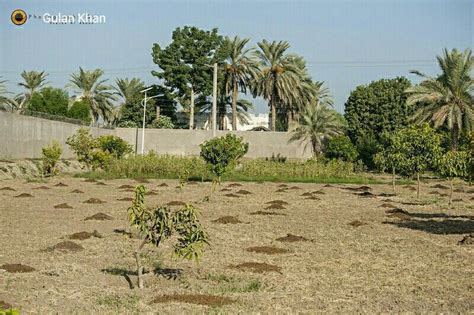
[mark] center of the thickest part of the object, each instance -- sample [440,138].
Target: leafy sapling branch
[156,225]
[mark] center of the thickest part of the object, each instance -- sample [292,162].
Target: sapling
[50,156]
[156,225]
[453,164]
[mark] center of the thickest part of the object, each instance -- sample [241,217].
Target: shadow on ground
[448,225]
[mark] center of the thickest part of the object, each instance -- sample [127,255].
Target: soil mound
[94,201]
[398,213]
[361,188]
[434,192]
[290,238]
[306,194]
[234,185]
[232,195]
[457,200]
[312,198]
[17,268]
[77,191]
[282,185]
[66,246]
[151,193]
[99,216]
[62,206]
[24,195]
[258,267]
[266,213]
[295,188]
[459,190]
[318,192]
[271,250]
[365,194]
[126,187]
[243,192]
[163,185]
[356,223]
[439,186]
[42,188]
[276,206]
[125,199]
[142,180]
[277,201]
[84,235]
[228,220]
[101,184]
[328,185]
[281,190]
[60,185]
[7,188]
[176,203]
[226,189]
[199,299]
[90,180]
[387,205]
[467,240]
[386,195]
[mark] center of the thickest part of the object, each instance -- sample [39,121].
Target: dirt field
[344,254]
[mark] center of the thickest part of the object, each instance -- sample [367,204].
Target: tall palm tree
[447,100]
[317,123]
[239,68]
[94,92]
[279,76]
[33,81]
[5,101]
[128,91]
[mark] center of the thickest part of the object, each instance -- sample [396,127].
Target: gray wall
[23,137]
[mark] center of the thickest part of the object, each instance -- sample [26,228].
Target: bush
[127,124]
[83,144]
[51,101]
[367,147]
[51,155]
[115,146]
[162,122]
[341,147]
[222,153]
[453,164]
[80,110]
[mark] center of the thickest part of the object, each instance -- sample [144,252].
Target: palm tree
[5,102]
[128,91]
[279,77]
[239,68]
[94,92]
[33,81]
[447,100]
[317,123]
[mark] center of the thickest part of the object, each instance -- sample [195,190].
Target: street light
[144,113]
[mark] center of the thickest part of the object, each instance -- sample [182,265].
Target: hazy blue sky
[346,43]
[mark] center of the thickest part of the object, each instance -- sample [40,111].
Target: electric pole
[214,101]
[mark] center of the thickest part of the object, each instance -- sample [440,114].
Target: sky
[345,43]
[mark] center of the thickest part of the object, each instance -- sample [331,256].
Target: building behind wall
[202,121]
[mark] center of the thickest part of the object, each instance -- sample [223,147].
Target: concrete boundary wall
[23,137]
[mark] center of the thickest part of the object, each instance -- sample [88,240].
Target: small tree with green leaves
[222,154]
[453,164]
[50,157]
[419,147]
[156,225]
[83,144]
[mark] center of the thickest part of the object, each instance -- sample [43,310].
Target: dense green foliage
[50,157]
[115,146]
[155,225]
[454,164]
[162,122]
[33,81]
[51,101]
[80,110]
[222,153]
[341,147]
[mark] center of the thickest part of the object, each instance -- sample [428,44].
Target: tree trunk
[451,190]
[235,94]
[157,112]
[418,188]
[454,137]
[393,179]
[191,111]
[139,266]
[273,114]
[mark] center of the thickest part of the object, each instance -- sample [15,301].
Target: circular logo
[19,17]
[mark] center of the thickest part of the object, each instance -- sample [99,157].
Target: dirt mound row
[232,195]
[151,193]
[126,187]
[275,206]
[66,246]
[398,213]
[234,185]
[387,205]
[24,195]
[360,189]
[282,185]
[226,189]
[271,250]
[17,268]
[243,192]
[281,190]
[90,180]
[94,201]
[266,213]
[125,199]
[366,194]
[60,185]
[42,188]
[62,206]
[142,181]
[199,299]
[257,267]
[356,223]
[7,188]
[439,186]
[227,220]
[290,238]
[99,216]
[101,184]
[77,191]
[176,203]
[277,201]
[163,185]
[312,198]
[84,235]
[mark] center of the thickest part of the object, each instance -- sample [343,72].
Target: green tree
[341,147]
[185,64]
[239,69]
[50,157]
[156,225]
[392,157]
[129,95]
[80,110]
[162,122]
[317,123]
[377,108]
[280,77]
[93,90]
[51,101]
[5,101]
[454,164]
[420,147]
[447,100]
[222,154]
[33,81]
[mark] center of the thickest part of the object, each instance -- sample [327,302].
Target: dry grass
[389,264]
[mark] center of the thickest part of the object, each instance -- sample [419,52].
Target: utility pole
[214,101]
[144,114]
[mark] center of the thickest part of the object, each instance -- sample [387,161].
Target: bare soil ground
[312,255]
